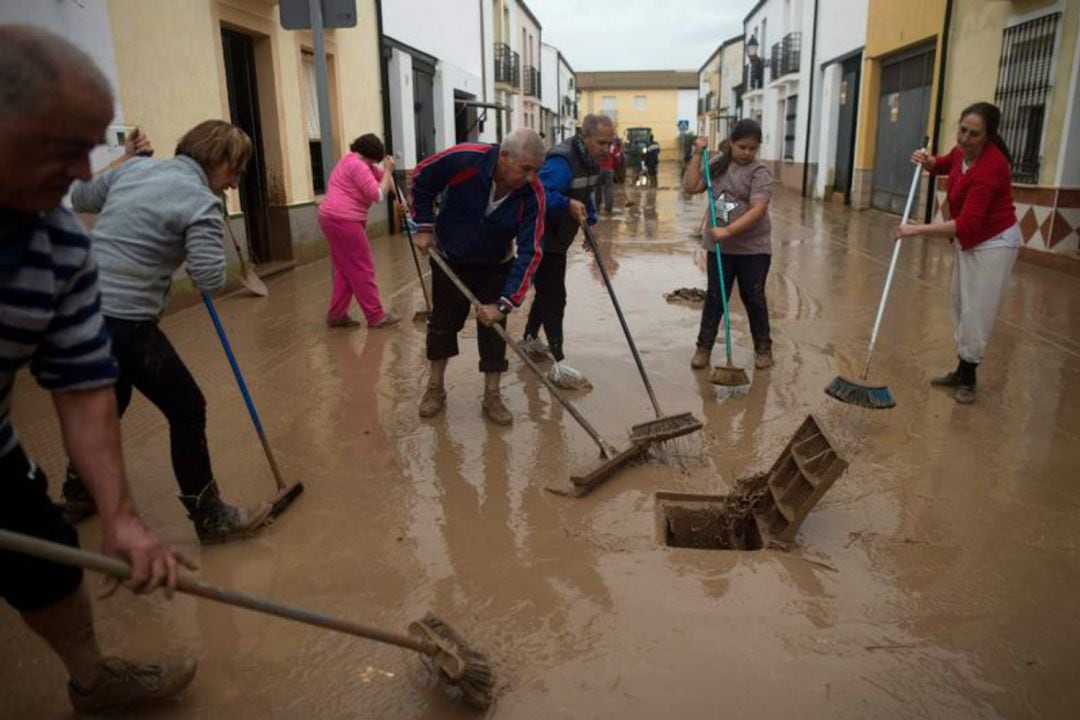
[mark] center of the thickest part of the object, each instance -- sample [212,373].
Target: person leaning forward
[54,108]
[490,198]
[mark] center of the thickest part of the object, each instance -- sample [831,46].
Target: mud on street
[937,578]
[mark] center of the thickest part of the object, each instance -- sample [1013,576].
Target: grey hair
[592,123]
[524,143]
[33,61]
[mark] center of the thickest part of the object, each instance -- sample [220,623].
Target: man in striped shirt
[54,108]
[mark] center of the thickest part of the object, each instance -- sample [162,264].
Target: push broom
[419,315]
[458,664]
[664,427]
[728,375]
[875,397]
[285,493]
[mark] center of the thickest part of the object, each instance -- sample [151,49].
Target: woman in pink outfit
[362,177]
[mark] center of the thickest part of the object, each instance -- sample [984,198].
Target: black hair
[991,117]
[745,128]
[370,146]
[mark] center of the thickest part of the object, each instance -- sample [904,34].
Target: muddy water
[936,579]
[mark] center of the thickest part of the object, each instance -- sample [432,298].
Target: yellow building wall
[661,113]
[892,25]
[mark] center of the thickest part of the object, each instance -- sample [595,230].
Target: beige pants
[979,281]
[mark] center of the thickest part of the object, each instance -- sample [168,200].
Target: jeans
[450,309]
[149,363]
[605,191]
[549,303]
[750,272]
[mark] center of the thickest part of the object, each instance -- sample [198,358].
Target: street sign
[684,125]
[296,15]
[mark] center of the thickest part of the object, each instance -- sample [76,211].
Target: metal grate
[532,81]
[1023,85]
[507,65]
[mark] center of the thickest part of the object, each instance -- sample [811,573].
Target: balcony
[786,55]
[507,66]
[754,74]
[532,81]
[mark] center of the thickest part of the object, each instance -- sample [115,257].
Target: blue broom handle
[719,262]
[892,269]
[232,361]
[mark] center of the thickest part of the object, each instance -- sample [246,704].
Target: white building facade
[527,109]
[558,95]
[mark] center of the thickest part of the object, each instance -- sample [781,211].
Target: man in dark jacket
[570,175]
[489,198]
[652,160]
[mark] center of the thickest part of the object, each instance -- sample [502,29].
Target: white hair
[524,143]
[33,62]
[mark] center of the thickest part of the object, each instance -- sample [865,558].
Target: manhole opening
[715,524]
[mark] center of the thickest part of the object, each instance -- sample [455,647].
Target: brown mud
[938,577]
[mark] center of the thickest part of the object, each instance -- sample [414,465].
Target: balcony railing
[786,55]
[532,81]
[507,65]
[754,74]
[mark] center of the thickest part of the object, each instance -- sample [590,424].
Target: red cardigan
[980,200]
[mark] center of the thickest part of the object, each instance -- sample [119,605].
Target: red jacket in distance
[980,200]
[610,159]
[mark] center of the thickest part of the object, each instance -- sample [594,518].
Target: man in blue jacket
[569,176]
[489,198]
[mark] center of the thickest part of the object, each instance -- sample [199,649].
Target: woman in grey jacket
[153,215]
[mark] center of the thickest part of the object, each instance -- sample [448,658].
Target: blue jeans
[750,272]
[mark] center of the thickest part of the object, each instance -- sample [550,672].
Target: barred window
[1022,89]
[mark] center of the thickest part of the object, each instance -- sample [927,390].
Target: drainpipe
[483,55]
[384,78]
[939,110]
[810,107]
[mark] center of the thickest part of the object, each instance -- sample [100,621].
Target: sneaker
[78,503]
[534,348]
[433,402]
[566,377]
[217,522]
[495,411]
[387,321]
[343,321]
[965,394]
[121,684]
[700,360]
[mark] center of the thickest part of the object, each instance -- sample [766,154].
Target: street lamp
[752,47]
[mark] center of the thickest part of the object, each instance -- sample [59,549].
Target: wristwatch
[504,306]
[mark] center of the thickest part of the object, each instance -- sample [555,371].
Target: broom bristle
[729,376]
[665,428]
[476,680]
[875,397]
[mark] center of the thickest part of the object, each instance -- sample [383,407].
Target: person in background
[652,161]
[745,242]
[979,170]
[360,179]
[54,107]
[605,189]
[154,216]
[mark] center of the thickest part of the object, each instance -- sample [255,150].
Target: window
[639,103]
[311,124]
[1022,88]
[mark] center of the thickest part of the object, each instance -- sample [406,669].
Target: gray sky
[638,34]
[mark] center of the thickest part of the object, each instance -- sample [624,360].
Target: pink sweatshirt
[353,187]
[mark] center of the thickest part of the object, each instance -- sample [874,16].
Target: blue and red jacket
[465,234]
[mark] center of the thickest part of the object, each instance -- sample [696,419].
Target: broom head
[459,664]
[421,316]
[585,484]
[729,375]
[284,498]
[665,428]
[875,397]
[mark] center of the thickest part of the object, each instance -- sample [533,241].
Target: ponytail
[991,117]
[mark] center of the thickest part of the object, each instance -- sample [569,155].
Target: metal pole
[322,89]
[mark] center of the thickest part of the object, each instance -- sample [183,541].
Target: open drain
[711,527]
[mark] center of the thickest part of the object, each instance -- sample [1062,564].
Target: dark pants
[450,309]
[26,583]
[749,271]
[605,191]
[149,364]
[549,304]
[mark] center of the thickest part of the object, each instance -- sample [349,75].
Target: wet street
[937,579]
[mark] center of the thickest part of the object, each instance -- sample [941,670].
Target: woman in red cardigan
[983,220]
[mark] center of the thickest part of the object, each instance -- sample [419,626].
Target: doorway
[850,75]
[239,53]
[465,119]
[424,106]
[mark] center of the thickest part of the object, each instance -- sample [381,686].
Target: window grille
[789,127]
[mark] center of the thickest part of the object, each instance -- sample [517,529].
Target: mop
[458,664]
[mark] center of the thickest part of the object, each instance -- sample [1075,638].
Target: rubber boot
[495,410]
[122,684]
[78,503]
[217,522]
[700,359]
[949,379]
[763,359]
[965,392]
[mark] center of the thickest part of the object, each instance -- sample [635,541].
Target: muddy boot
[700,360]
[950,379]
[217,522]
[763,354]
[121,684]
[965,391]
[78,503]
[495,411]
[433,402]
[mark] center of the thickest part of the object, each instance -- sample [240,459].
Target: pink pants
[354,269]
